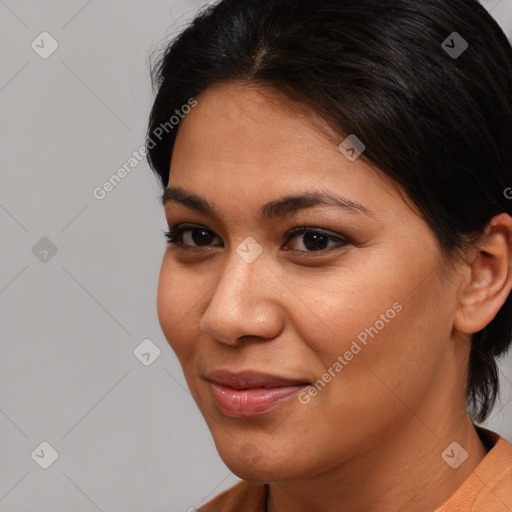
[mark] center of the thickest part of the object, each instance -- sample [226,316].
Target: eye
[198,235]
[314,240]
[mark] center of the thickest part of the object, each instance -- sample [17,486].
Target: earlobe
[488,277]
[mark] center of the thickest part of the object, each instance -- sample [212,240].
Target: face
[292,339]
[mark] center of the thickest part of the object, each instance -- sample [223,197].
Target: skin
[372,439]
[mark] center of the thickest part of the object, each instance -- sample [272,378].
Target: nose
[244,304]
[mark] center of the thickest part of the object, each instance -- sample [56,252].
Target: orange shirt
[487,489]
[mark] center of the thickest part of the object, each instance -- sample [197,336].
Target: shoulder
[489,486]
[242,497]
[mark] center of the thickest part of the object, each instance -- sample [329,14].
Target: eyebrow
[269,211]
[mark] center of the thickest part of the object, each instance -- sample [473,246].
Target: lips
[249,379]
[248,393]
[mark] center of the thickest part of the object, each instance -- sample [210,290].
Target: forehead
[254,125]
[250,144]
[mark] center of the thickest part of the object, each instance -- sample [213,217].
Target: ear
[487,278]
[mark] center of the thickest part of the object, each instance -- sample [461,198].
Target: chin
[258,466]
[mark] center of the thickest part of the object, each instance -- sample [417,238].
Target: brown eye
[190,236]
[314,240]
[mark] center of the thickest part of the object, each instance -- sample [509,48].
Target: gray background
[128,436]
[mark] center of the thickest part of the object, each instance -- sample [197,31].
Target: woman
[337,285]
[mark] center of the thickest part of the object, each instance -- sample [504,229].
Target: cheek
[390,348]
[336,311]
[177,297]
[391,323]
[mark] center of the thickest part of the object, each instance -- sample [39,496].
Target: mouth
[248,393]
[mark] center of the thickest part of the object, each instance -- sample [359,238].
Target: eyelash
[175,232]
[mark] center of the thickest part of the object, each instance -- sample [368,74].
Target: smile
[249,394]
